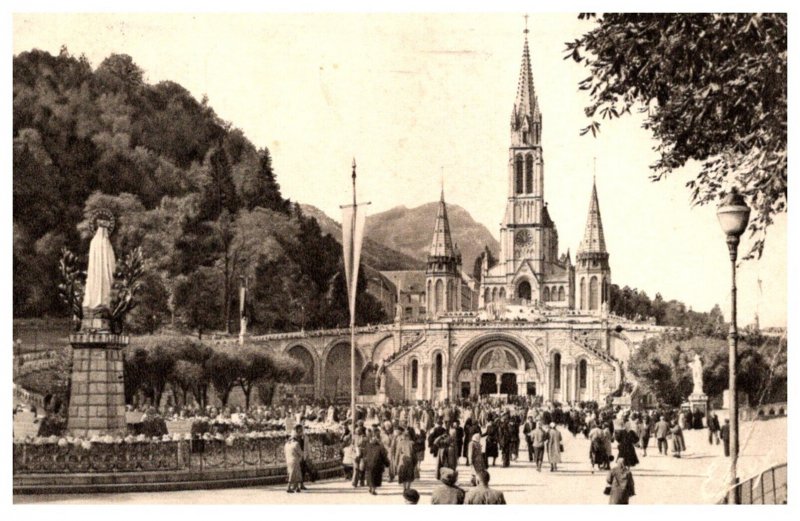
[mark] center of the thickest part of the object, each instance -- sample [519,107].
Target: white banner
[353,220]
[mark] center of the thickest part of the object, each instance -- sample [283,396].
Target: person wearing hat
[434,434]
[553,445]
[448,493]
[481,494]
[411,496]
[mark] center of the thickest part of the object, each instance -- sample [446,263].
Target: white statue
[100,272]
[697,374]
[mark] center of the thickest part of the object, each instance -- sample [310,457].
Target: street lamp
[733,214]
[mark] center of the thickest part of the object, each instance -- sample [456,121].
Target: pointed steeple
[442,244]
[526,103]
[593,238]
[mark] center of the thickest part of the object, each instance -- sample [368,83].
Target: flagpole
[353,313]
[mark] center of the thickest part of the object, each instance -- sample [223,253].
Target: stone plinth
[97,392]
[698,402]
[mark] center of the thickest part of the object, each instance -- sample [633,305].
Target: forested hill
[198,197]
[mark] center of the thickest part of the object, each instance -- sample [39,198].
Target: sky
[415,98]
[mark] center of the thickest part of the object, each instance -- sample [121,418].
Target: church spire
[594,240]
[526,103]
[442,244]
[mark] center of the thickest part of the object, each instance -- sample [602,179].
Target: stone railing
[181,455]
[66,468]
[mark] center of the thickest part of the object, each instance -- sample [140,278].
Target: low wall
[167,465]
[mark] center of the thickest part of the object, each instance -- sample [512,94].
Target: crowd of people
[391,441]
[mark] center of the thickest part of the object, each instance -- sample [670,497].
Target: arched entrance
[524,290]
[497,366]
[337,372]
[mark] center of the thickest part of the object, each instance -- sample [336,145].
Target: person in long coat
[459,438]
[477,458]
[294,464]
[375,462]
[446,453]
[620,480]
[553,447]
[405,460]
[504,439]
[469,431]
[597,449]
[492,449]
[678,443]
[625,447]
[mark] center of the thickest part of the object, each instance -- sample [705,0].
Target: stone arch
[594,297]
[414,373]
[487,297]
[450,298]
[561,294]
[382,349]
[307,357]
[336,375]
[518,175]
[557,362]
[546,294]
[583,293]
[528,174]
[439,296]
[502,294]
[438,364]
[524,290]
[532,356]
[583,373]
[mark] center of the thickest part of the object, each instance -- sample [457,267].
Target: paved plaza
[698,477]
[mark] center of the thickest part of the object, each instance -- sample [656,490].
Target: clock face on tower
[522,238]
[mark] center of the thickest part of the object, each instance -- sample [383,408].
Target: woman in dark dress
[625,445]
[376,460]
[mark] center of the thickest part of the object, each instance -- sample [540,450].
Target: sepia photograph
[362,258]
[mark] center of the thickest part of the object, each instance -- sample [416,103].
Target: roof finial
[441,179]
[354,167]
[594,170]
[526,25]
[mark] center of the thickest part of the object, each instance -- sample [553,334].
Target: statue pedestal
[698,401]
[97,389]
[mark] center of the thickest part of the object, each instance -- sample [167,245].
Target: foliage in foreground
[713,90]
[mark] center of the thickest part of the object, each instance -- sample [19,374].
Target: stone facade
[556,355]
[535,324]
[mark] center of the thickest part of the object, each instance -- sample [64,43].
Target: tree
[255,365]
[714,90]
[197,300]
[153,308]
[225,370]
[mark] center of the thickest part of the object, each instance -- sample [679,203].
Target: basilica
[535,323]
